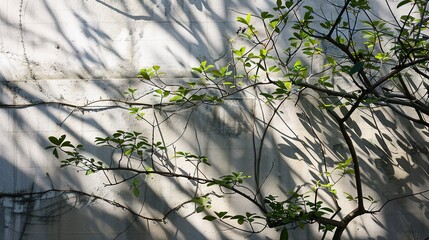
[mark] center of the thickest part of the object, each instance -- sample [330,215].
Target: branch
[191,178]
[95,197]
[84,106]
[370,89]
[361,208]
[397,198]
[339,18]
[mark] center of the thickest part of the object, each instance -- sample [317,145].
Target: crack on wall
[24,49]
[21,34]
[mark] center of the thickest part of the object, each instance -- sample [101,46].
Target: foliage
[384,63]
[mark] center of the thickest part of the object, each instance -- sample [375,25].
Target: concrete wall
[84,50]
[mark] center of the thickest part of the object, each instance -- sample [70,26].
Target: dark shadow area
[113,39]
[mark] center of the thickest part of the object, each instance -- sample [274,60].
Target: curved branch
[93,196]
[191,178]
[398,198]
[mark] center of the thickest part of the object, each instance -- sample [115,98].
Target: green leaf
[67,144]
[310,9]
[267,95]
[57,141]
[199,209]
[242,20]
[144,74]
[132,90]
[344,164]
[284,235]
[197,200]
[297,64]
[136,192]
[208,67]
[128,152]
[135,182]
[55,152]
[356,68]
[349,196]
[220,214]
[274,23]
[248,18]
[327,209]
[216,73]
[197,69]
[402,3]
[348,161]
[156,68]
[149,169]
[209,218]
[382,56]
[61,139]
[274,69]
[176,98]
[265,15]
[240,52]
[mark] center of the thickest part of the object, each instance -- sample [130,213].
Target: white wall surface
[78,51]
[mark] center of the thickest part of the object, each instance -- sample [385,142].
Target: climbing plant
[345,60]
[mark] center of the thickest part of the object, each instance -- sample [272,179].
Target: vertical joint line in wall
[21,34]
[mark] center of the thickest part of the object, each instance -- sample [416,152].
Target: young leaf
[128,152]
[136,191]
[242,20]
[176,98]
[349,196]
[348,161]
[144,74]
[149,169]
[297,64]
[248,18]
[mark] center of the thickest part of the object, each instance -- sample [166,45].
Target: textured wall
[82,39]
[81,51]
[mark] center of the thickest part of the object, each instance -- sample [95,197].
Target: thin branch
[191,178]
[389,200]
[68,191]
